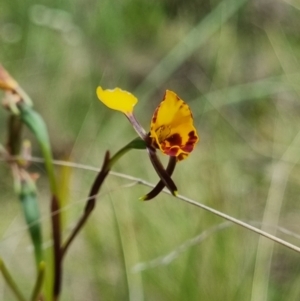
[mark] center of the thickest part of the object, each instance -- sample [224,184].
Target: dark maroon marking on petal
[178,98]
[181,156]
[174,139]
[154,117]
[191,134]
[172,151]
[189,146]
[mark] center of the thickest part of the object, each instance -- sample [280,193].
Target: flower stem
[89,205]
[11,283]
[160,185]
[39,282]
[56,233]
[136,125]
[136,143]
[162,173]
[108,162]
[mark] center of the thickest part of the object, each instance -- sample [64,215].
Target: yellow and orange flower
[172,130]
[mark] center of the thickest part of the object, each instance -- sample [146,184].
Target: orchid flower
[171,131]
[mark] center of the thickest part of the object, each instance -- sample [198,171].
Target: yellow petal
[171,111]
[117,99]
[172,129]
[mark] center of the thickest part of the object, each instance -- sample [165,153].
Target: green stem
[136,143]
[39,282]
[11,283]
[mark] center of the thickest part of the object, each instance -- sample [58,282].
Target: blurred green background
[237,64]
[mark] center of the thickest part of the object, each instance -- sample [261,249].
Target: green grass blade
[193,40]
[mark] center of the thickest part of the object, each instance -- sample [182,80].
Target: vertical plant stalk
[25,187]
[38,127]
[31,212]
[105,169]
[20,105]
[90,205]
[39,282]
[10,282]
[56,234]
[14,135]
